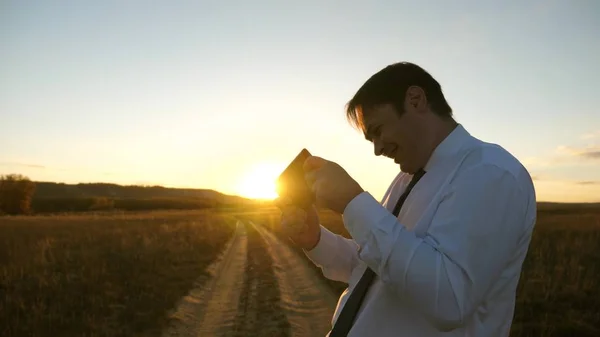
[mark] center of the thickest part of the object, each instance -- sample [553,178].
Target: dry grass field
[122,274]
[103,275]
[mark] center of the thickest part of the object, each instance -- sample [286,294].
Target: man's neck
[445,128]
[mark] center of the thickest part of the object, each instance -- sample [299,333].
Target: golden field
[120,274]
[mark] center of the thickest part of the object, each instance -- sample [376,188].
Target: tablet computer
[292,184]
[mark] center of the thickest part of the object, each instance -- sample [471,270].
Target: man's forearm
[335,255]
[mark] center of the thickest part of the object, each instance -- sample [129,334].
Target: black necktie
[346,317]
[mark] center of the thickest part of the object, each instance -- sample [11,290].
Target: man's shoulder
[486,160]
[486,154]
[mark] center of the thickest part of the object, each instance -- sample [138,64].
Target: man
[442,260]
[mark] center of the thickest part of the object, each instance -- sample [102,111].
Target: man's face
[397,136]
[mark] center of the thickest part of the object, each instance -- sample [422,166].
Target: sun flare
[259,182]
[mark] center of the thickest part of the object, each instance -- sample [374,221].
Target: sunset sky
[204,93]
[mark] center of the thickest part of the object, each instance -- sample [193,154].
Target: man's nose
[378,147]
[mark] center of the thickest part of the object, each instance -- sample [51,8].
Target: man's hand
[301,226]
[333,186]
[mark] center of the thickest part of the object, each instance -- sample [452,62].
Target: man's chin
[406,169]
[402,167]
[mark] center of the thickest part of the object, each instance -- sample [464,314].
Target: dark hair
[389,85]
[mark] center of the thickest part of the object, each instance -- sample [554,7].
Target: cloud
[36,166]
[587,153]
[564,156]
[592,154]
[538,161]
[555,179]
[581,154]
[591,135]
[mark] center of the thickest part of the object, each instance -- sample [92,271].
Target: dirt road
[306,300]
[257,287]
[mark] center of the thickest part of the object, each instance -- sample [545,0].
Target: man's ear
[415,99]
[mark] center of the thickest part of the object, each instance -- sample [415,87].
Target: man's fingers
[310,177]
[313,163]
[291,211]
[316,186]
[293,219]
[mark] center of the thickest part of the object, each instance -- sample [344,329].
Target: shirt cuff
[324,252]
[362,215]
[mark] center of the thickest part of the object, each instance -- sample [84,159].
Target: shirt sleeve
[476,229]
[335,255]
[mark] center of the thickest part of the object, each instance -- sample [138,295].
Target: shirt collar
[450,146]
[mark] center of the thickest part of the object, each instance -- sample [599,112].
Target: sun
[259,182]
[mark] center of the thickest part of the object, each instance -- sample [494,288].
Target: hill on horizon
[52,197]
[46,189]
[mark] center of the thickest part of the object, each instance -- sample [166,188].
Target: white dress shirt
[449,264]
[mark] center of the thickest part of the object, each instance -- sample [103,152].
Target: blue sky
[200,93]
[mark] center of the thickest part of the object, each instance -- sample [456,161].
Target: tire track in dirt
[211,310]
[307,301]
[259,307]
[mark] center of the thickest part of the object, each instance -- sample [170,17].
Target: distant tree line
[20,195]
